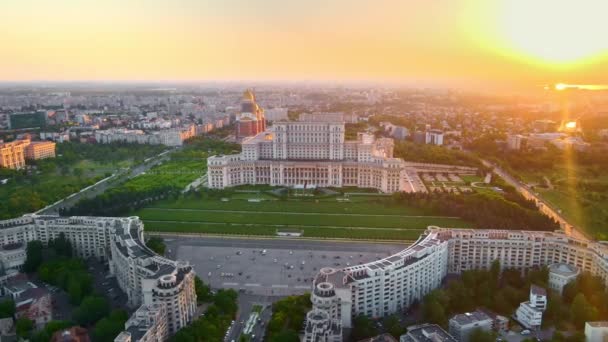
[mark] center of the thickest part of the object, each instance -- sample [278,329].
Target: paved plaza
[270,267]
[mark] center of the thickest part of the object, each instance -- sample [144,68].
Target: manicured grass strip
[365,234]
[368,206]
[299,219]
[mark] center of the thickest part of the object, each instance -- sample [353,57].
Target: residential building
[40,150]
[515,141]
[251,120]
[12,154]
[561,275]
[309,154]
[276,114]
[168,137]
[320,327]
[386,337]
[145,277]
[462,325]
[426,333]
[596,331]
[392,284]
[12,256]
[434,137]
[530,313]
[147,324]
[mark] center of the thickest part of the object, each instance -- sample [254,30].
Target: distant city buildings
[515,142]
[434,137]
[169,137]
[276,114]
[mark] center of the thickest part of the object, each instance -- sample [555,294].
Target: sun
[555,31]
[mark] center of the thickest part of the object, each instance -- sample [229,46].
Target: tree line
[483,210]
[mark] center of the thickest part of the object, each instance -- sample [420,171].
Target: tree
[78,172]
[479,335]
[363,327]
[92,309]
[203,291]
[393,326]
[7,309]
[109,327]
[581,311]
[287,335]
[23,327]
[61,246]
[225,300]
[33,256]
[156,244]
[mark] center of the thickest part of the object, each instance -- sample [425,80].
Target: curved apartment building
[392,284]
[162,288]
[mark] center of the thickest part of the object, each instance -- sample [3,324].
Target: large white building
[312,153]
[391,284]
[168,137]
[164,287]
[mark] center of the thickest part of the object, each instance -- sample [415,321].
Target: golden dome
[248,95]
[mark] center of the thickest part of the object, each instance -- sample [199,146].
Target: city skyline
[466,43]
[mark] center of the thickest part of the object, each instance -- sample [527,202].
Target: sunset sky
[461,42]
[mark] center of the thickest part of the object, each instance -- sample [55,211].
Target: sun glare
[555,31]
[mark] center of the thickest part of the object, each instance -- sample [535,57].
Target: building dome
[248,95]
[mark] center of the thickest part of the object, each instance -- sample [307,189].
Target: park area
[579,193]
[367,217]
[76,166]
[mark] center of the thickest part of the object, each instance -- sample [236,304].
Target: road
[542,205]
[99,187]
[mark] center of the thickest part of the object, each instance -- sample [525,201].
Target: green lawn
[301,219]
[376,218]
[314,232]
[368,205]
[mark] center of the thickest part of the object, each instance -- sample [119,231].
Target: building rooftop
[598,324]
[470,317]
[427,333]
[563,269]
[538,291]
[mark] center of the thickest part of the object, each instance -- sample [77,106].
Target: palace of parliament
[308,153]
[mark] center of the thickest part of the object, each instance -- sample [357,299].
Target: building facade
[530,313]
[309,154]
[40,150]
[12,154]
[392,284]
[251,120]
[561,275]
[147,278]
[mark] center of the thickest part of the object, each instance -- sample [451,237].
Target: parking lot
[270,267]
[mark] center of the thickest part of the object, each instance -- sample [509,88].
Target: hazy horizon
[474,44]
